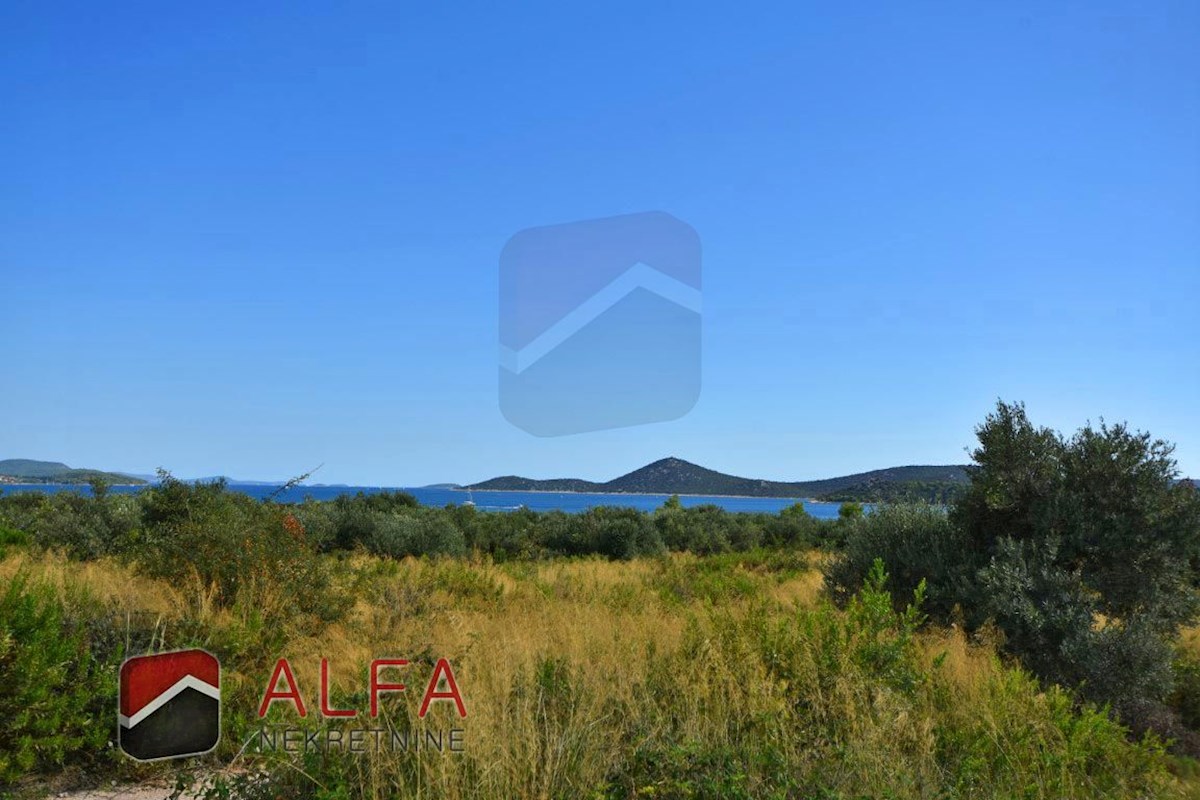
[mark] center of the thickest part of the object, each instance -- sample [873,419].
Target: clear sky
[249,238]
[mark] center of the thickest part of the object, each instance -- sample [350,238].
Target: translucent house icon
[600,324]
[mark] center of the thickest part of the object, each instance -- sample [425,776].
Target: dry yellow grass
[106,580]
[1190,640]
[554,658]
[496,623]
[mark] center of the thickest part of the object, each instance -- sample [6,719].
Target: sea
[572,502]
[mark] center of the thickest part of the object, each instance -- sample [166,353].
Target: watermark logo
[355,730]
[170,705]
[600,324]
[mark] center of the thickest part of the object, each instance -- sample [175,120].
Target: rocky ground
[139,792]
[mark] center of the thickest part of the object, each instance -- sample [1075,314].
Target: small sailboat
[470,501]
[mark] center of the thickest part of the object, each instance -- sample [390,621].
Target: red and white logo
[170,705]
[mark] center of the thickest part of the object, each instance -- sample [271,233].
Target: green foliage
[1081,550]
[883,637]
[231,543]
[19,510]
[30,471]
[10,537]
[694,770]
[674,475]
[850,511]
[709,529]
[871,638]
[177,528]
[1081,530]
[387,502]
[52,688]
[414,533]
[754,700]
[82,526]
[712,579]
[617,533]
[917,543]
[863,712]
[938,492]
[1184,699]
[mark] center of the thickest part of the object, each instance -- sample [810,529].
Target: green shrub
[850,511]
[19,510]
[793,527]
[1051,537]
[702,530]
[10,537]
[86,527]
[414,534]
[1080,530]
[53,691]
[713,579]
[232,544]
[916,543]
[617,533]
[1185,694]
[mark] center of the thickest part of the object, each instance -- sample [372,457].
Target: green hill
[24,470]
[676,476]
[515,483]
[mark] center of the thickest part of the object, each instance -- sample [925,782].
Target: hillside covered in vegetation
[675,476]
[23,470]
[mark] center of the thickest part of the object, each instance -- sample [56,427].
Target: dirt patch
[137,792]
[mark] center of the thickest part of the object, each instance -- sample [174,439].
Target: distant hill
[229,480]
[24,470]
[676,476]
[942,492]
[515,483]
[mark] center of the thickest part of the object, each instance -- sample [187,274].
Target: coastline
[646,494]
[55,483]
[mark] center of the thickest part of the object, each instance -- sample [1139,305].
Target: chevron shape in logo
[170,705]
[600,324]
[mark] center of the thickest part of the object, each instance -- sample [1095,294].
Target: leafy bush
[793,527]
[52,688]
[702,530]
[1081,550]
[850,511]
[232,544]
[617,533]
[11,538]
[86,527]
[1084,531]
[916,543]
[19,510]
[709,579]
[414,534]
[1184,700]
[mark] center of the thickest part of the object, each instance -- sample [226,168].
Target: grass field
[678,676]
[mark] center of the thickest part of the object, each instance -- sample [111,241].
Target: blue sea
[493,501]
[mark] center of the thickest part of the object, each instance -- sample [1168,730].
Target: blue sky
[249,238]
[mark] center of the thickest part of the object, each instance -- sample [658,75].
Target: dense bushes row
[226,536]
[1082,551]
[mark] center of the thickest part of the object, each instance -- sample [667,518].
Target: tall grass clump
[746,700]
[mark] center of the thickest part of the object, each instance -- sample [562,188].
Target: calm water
[496,501]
